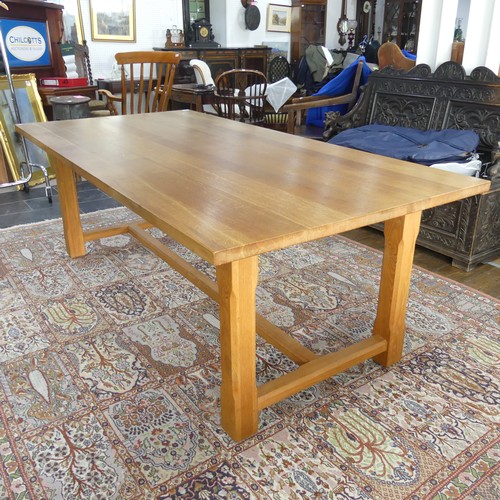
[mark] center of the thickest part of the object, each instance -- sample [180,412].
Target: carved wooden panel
[444,218]
[488,223]
[402,110]
[485,120]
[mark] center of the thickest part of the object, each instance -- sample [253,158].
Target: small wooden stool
[70,107]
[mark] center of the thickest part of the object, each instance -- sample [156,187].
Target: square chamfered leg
[70,210]
[400,236]
[237,282]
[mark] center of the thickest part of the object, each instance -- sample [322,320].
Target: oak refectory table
[230,192]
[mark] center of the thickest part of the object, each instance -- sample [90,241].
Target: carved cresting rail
[468,231]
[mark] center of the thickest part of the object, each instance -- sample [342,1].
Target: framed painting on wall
[112,20]
[72,21]
[279,18]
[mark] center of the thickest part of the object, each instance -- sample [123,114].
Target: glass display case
[401,23]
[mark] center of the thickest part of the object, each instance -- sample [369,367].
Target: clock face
[204,32]
[367,6]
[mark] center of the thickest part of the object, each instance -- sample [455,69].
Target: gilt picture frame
[279,18]
[112,20]
[72,21]
[31,110]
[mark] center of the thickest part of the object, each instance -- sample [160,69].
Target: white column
[483,39]
[446,31]
[492,60]
[437,26]
[428,34]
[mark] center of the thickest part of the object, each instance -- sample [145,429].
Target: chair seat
[98,108]
[96,104]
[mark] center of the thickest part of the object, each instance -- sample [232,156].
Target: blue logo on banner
[27,43]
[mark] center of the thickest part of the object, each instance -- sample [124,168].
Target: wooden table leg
[70,211]
[237,282]
[199,103]
[400,236]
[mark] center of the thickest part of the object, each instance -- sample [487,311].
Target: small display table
[70,107]
[192,94]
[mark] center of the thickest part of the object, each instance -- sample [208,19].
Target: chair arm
[318,103]
[294,110]
[109,95]
[110,100]
[309,98]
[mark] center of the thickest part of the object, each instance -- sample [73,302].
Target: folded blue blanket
[420,146]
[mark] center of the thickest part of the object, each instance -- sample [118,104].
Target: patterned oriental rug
[109,379]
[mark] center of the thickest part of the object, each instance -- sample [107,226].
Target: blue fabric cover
[420,146]
[409,55]
[340,85]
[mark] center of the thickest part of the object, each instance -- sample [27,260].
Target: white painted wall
[228,23]
[227,16]
[153,17]
[218,19]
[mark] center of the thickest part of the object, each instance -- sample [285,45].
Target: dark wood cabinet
[401,23]
[308,26]
[51,14]
[219,60]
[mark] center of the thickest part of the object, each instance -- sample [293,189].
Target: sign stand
[26,167]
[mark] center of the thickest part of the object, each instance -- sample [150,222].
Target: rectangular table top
[228,190]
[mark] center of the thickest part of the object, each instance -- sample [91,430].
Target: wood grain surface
[228,190]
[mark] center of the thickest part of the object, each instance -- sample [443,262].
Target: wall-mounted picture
[72,21]
[277,49]
[112,20]
[278,18]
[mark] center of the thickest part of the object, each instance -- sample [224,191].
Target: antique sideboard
[219,59]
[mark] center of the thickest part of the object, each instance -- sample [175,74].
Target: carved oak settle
[468,231]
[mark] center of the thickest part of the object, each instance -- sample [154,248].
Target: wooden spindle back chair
[146,78]
[279,68]
[241,95]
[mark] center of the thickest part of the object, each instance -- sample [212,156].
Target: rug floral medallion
[110,375]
